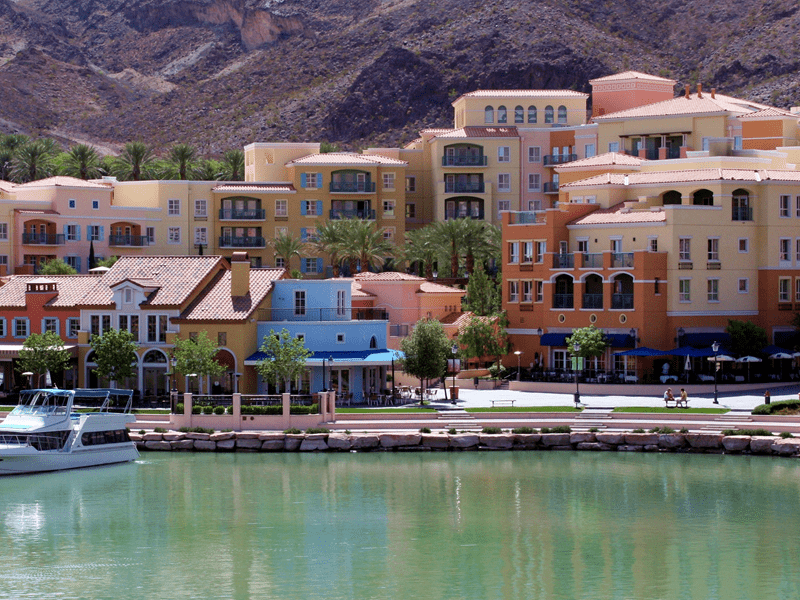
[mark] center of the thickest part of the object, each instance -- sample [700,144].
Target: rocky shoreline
[252,441]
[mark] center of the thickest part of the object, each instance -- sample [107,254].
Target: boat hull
[18,461]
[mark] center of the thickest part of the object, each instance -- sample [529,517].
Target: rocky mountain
[222,73]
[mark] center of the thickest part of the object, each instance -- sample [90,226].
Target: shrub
[425,430]
[160,430]
[179,408]
[662,430]
[491,430]
[784,406]
[196,410]
[318,430]
[638,430]
[559,429]
[219,410]
[523,430]
[347,432]
[593,429]
[683,430]
[786,434]
[452,431]
[230,410]
[761,432]
[141,432]
[196,430]
[294,430]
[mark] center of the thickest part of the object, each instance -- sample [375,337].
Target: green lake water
[477,525]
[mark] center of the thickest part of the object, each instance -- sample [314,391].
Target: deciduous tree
[285,358]
[115,355]
[197,356]
[426,351]
[42,352]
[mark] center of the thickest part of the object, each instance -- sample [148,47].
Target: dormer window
[128,296]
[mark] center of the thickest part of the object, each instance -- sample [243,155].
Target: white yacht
[52,430]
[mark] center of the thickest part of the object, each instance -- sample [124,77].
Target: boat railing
[104,399]
[40,441]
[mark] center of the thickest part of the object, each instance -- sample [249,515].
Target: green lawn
[384,410]
[663,409]
[563,409]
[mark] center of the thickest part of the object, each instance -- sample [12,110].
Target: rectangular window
[744,245]
[341,299]
[797,250]
[388,233]
[157,328]
[21,329]
[684,249]
[784,204]
[173,207]
[281,208]
[785,250]
[744,285]
[411,184]
[534,182]
[613,146]
[737,142]
[3,231]
[150,233]
[541,248]
[797,289]
[539,290]
[713,249]
[311,208]
[94,232]
[201,208]
[527,252]
[50,324]
[583,246]
[589,150]
[174,235]
[299,303]
[504,154]
[201,236]
[73,325]
[503,206]
[222,338]
[388,181]
[513,291]
[72,233]
[783,290]
[128,296]
[74,262]
[504,182]
[73,203]
[96,204]
[534,154]
[685,290]
[411,211]
[713,290]
[340,338]
[130,323]
[652,244]
[513,252]
[388,208]
[312,181]
[99,324]
[280,262]
[527,291]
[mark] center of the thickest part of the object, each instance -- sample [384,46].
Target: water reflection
[469,525]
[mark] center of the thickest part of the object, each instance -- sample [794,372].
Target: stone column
[237,410]
[286,401]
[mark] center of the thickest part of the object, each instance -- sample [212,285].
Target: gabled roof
[281,188]
[770,113]
[217,304]
[608,159]
[425,286]
[345,159]
[71,290]
[618,215]
[682,106]
[428,287]
[63,181]
[626,75]
[478,132]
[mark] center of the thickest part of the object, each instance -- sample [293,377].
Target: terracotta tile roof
[769,113]
[685,106]
[666,177]
[617,214]
[6,186]
[604,160]
[63,181]
[357,292]
[480,132]
[175,276]
[282,188]
[387,276]
[626,75]
[428,287]
[456,318]
[346,158]
[217,304]
[71,290]
[525,94]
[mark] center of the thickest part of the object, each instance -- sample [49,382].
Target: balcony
[242,242]
[133,241]
[593,260]
[742,213]
[551,160]
[366,215]
[551,187]
[464,187]
[563,301]
[399,330]
[593,301]
[464,161]
[352,187]
[242,214]
[714,265]
[324,314]
[622,301]
[622,260]
[43,239]
[563,261]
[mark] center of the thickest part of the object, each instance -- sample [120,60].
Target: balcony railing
[742,213]
[621,260]
[464,161]
[136,241]
[463,187]
[624,301]
[593,260]
[43,239]
[367,215]
[551,187]
[563,301]
[242,242]
[322,314]
[352,187]
[399,330]
[242,214]
[593,301]
[526,217]
[563,261]
[559,159]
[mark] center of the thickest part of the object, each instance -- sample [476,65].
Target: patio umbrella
[748,360]
[721,358]
[781,356]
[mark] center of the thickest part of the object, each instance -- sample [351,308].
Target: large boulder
[501,441]
[173,436]
[205,445]
[250,435]
[222,435]
[761,444]
[582,437]
[555,439]
[395,440]
[528,441]
[641,439]
[736,443]
[193,435]
[340,441]
[228,444]
[670,441]
[152,436]
[157,445]
[311,445]
[293,441]
[704,440]
[594,446]
[464,440]
[365,441]
[786,447]
[273,444]
[435,440]
[182,444]
[249,443]
[607,437]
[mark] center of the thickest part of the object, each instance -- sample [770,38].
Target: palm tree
[331,238]
[33,160]
[366,245]
[181,159]
[81,161]
[421,247]
[208,170]
[134,162]
[8,146]
[286,246]
[481,241]
[452,235]
[233,165]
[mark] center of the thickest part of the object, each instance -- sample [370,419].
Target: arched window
[703,198]
[502,115]
[154,356]
[373,342]
[740,203]
[488,114]
[672,197]
[519,115]
[532,114]
[548,114]
[562,114]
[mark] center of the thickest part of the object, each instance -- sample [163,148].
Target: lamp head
[715,346]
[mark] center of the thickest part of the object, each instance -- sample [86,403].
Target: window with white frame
[388,233]
[784,206]
[130,323]
[541,248]
[589,150]
[157,328]
[411,210]
[21,327]
[534,205]
[99,324]
[341,299]
[280,262]
[150,234]
[388,208]
[652,244]
[713,290]
[743,285]
[504,182]
[411,184]
[281,208]
[737,142]
[685,249]
[685,290]
[534,154]
[127,296]
[613,146]
[527,291]
[744,245]
[534,182]
[94,232]
[50,324]
[201,236]
[784,249]
[583,245]
[503,206]
[388,181]
[797,289]
[527,252]
[513,252]
[797,250]
[539,290]
[200,208]
[784,293]
[312,181]
[96,204]
[513,291]
[340,337]
[504,154]
[299,303]
[311,208]
[73,203]
[3,231]
[713,249]
[174,235]
[174,207]
[71,233]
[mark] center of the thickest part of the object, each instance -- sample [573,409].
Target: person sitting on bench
[684,399]
[668,397]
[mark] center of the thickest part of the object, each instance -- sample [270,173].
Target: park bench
[503,403]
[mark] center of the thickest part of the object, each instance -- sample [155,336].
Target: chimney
[686,93]
[699,90]
[240,274]
[713,93]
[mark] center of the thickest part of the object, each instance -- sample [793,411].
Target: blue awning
[371,357]
[689,351]
[642,351]
[785,339]
[704,340]
[769,350]
[554,339]
[620,340]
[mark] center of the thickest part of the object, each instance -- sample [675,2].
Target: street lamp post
[519,360]
[324,385]
[454,350]
[577,348]
[715,348]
